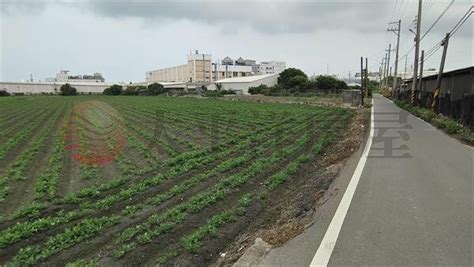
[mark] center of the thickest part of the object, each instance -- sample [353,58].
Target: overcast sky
[123,39]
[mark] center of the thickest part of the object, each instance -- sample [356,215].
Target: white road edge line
[324,252]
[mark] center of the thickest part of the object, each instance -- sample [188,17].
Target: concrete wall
[37,88]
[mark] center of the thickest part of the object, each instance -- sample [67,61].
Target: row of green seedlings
[150,133]
[85,229]
[15,171]
[28,228]
[168,126]
[127,166]
[32,254]
[192,242]
[175,171]
[196,120]
[221,168]
[46,183]
[285,135]
[204,112]
[35,208]
[57,220]
[23,134]
[23,116]
[184,124]
[159,224]
[22,113]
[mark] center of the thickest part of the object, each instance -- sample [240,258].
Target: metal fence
[456,99]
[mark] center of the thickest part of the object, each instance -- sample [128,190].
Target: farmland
[148,180]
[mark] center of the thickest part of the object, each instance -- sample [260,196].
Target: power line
[461,21]
[439,17]
[456,27]
[394,9]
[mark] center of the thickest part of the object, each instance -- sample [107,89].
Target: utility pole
[381,74]
[366,77]
[417,51]
[437,92]
[420,81]
[406,64]
[362,81]
[388,60]
[384,70]
[397,33]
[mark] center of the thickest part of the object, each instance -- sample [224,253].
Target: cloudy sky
[123,39]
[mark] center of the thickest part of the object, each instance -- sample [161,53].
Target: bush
[258,89]
[67,89]
[155,89]
[446,124]
[113,90]
[4,93]
[217,93]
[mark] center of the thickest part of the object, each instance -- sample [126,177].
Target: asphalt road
[413,204]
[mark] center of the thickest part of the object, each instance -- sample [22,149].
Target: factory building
[241,85]
[201,69]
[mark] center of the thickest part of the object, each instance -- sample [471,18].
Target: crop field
[147,180]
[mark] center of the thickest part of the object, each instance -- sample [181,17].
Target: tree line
[294,80]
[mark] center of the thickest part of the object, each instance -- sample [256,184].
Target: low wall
[38,88]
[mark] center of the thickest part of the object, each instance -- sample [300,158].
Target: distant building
[229,71]
[199,69]
[241,85]
[271,67]
[64,77]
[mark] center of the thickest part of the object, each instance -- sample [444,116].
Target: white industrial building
[241,85]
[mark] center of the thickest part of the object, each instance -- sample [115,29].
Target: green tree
[287,75]
[298,83]
[67,89]
[113,90]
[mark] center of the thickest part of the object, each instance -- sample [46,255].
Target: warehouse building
[241,85]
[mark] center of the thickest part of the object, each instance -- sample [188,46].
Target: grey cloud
[265,17]
[18,6]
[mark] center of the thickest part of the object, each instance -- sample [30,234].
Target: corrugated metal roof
[245,79]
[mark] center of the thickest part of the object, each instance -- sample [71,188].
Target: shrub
[113,90]
[154,89]
[258,89]
[67,89]
[217,93]
[4,93]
